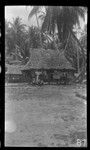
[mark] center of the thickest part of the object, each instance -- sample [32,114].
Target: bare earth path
[46,116]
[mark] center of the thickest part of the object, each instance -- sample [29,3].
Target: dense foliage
[63,19]
[19,40]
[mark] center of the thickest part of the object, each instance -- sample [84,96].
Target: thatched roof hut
[13,74]
[47,59]
[13,69]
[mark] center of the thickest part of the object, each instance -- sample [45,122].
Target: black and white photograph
[0,46]
[45,76]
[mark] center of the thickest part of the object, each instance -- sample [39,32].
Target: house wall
[14,78]
[48,75]
[63,77]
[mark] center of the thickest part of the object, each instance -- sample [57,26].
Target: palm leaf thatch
[47,59]
[13,69]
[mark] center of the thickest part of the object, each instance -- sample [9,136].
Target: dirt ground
[46,116]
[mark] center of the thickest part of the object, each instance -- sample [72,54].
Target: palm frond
[41,17]
[43,13]
[81,12]
[33,11]
[46,22]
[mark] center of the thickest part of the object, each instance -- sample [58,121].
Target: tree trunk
[82,74]
[40,31]
[67,41]
[78,60]
[79,45]
[55,44]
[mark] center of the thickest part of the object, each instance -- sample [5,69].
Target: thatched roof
[47,59]
[13,69]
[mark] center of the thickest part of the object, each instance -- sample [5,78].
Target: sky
[23,12]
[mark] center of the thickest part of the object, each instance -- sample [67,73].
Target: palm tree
[17,24]
[62,17]
[33,38]
[9,38]
[18,30]
[83,38]
[35,11]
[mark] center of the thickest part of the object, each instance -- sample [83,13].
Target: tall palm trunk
[82,74]
[38,73]
[67,41]
[55,44]
[80,46]
[40,31]
[77,52]
[78,60]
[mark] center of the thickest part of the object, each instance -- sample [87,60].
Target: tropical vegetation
[55,28]
[63,19]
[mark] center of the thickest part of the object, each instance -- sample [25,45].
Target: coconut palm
[35,9]
[16,36]
[9,38]
[17,25]
[33,38]
[18,29]
[83,39]
[63,18]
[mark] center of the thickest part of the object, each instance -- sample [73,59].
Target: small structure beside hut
[13,74]
[48,66]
